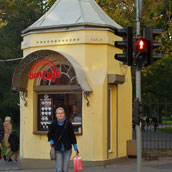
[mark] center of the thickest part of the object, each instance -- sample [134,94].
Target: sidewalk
[164,164]
[7,166]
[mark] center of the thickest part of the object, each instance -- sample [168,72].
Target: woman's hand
[77,151]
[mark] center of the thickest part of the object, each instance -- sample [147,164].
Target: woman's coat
[7,132]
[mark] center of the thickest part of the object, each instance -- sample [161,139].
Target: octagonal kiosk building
[75,40]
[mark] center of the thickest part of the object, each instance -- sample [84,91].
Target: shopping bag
[77,163]
[52,153]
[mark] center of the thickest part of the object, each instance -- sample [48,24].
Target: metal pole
[138,127]
[138,89]
[138,83]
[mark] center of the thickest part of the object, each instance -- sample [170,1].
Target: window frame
[109,119]
[37,131]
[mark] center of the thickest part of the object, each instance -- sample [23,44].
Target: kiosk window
[71,102]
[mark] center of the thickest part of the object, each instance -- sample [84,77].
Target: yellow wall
[94,51]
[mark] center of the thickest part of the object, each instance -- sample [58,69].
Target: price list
[45,112]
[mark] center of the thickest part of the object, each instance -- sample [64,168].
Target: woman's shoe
[10,160]
[5,158]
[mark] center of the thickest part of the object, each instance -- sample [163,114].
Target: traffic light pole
[138,89]
[138,127]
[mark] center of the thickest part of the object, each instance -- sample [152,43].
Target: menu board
[46,111]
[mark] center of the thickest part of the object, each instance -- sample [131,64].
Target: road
[127,165]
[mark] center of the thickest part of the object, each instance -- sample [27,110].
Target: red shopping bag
[77,163]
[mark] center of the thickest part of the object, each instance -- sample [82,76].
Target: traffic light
[141,52]
[141,44]
[126,45]
[149,35]
[140,109]
[137,111]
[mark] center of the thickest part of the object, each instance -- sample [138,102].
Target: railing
[155,137]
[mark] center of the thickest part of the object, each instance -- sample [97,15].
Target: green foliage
[121,11]
[51,2]
[157,80]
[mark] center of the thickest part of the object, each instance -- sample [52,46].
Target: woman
[61,136]
[14,143]
[7,132]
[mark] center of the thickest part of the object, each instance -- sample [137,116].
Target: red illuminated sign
[51,74]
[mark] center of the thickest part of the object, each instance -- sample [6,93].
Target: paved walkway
[7,166]
[164,164]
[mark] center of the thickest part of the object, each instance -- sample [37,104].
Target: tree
[157,78]
[15,16]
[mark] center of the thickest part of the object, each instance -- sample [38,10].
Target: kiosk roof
[67,15]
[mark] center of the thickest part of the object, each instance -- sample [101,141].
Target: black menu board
[46,112]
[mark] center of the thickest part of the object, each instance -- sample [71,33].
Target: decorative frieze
[84,38]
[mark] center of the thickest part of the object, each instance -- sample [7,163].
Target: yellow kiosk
[75,40]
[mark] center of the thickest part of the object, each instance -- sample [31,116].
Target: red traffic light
[141,51]
[141,44]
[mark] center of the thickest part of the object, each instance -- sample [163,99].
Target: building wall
[94,51]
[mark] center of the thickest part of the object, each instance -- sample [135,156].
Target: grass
[166,129]
[166,122]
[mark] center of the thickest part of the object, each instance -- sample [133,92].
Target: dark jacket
[68,138]
[1,130]
[14,142]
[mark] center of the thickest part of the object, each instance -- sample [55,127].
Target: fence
[156,137]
